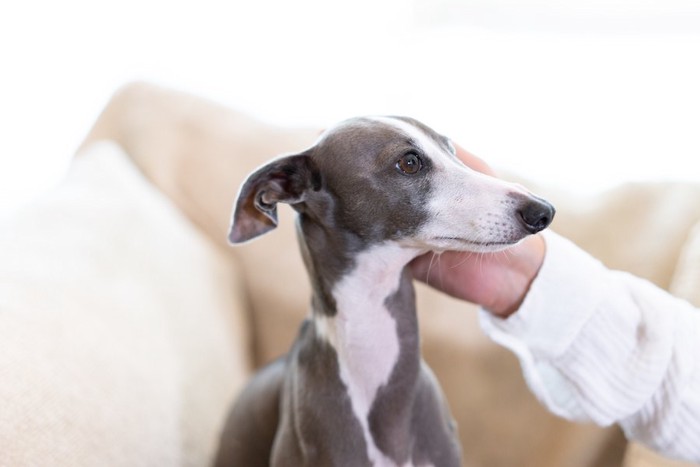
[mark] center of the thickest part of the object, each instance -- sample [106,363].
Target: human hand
[497,281]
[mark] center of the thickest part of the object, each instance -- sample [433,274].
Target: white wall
[584,94]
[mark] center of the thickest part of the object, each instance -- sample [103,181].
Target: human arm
[605,346]
[595,344]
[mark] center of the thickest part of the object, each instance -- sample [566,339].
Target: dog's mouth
[479,245]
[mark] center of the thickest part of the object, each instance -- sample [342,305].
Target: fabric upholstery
[109,239]
[122,331]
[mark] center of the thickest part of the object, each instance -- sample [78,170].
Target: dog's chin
[472,245]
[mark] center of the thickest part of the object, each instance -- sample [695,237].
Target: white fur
[364,333]
[469,210]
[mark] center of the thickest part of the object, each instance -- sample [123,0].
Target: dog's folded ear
[284,180]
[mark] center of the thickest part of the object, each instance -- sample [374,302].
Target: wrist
[524,262]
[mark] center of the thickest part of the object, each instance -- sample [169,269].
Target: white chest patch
[364,334]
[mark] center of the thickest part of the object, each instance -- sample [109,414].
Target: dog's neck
[364,307]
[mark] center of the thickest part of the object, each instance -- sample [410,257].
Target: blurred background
[583,94]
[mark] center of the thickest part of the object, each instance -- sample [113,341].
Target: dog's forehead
[420,131]
[373,135]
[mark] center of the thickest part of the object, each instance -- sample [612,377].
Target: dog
[371,194]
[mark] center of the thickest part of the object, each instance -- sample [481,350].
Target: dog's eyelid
[411,145]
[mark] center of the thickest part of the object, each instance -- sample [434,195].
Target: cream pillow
[122,334]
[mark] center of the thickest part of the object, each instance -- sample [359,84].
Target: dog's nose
[536,214]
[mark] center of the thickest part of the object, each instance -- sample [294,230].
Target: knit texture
[605,346]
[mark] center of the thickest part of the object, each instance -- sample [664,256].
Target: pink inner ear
[249,223]
[282,180]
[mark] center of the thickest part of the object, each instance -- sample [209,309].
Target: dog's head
[390,179]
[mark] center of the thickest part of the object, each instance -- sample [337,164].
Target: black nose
[536,214]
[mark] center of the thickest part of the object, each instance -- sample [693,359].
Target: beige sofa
[128,325]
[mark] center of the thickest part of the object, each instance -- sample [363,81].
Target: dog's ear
[284,180]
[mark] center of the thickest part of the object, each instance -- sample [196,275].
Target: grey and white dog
[371,195]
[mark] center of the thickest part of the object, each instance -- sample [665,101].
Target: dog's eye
[409,163]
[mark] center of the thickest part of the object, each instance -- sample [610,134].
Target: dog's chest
[364,334]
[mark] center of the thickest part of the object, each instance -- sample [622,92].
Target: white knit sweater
[605,346]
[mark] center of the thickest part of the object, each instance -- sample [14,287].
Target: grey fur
[349,196]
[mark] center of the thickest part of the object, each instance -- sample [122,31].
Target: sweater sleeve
[604,346]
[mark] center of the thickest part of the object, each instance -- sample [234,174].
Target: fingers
[420,267]
[472,161]
[458,274]
[496,281]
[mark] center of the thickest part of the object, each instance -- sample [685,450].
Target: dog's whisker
[355,259]
[434,259]
[466,255]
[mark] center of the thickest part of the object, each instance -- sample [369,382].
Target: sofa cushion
[123,337]
[686,279]
[198,152]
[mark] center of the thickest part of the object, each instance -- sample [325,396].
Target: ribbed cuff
[561,300]
[602,346]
